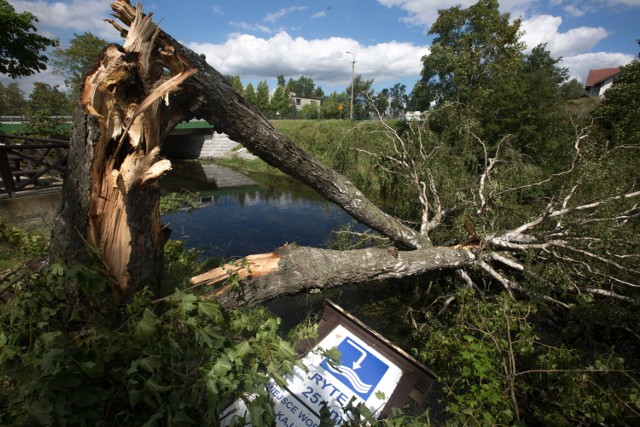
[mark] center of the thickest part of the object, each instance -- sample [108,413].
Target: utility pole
[353,69]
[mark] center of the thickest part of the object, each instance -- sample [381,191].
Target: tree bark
[110,197]
[292,269]
[128,104]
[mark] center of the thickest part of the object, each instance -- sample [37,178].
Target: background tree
[525,104]
[303,87]
[280,103]
[12,100]
[262,97]
[310,112]
[72,62]
[420,97]
[250,93]
[380,102]
[619,113]
[47,105]
[236,83]
[572,89]
[398,100]
[21,49]
[331,103]
[361,94]
[486,48]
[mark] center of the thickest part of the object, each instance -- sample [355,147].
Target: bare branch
[508,261]
[462,275]
[580,136]
[611,294]
[596,204]
[596,257]
[506,283]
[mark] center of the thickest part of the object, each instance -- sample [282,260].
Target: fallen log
[292,269]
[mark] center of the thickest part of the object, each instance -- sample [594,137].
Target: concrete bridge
[200,143]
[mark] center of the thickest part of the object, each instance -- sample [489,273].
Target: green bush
[174,361]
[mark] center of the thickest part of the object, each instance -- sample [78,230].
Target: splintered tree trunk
[135,96]
[111,195]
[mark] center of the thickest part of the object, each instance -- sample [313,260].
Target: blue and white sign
[359,369]
[362,375]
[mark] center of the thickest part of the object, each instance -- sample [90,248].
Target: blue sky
[260,39]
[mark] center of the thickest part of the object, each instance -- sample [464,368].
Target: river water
[242,215]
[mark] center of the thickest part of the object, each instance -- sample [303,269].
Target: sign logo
[359,370]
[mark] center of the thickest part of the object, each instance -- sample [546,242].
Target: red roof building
[600,80]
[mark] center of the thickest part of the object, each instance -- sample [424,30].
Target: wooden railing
[28,163]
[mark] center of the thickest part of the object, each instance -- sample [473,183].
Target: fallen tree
[136,95]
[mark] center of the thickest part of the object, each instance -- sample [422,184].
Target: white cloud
[545,29]
[324,60]
[582,7]
[251,27]
[216,9]
[78,15]
[579,65]
[274,16]
[26,83]
[321,14]
[425,13]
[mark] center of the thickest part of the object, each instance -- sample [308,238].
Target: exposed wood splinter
[253,265]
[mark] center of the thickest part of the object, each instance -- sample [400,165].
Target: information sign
[370,371]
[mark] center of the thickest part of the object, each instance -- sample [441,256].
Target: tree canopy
[82,53]
[21,48]
[474,49]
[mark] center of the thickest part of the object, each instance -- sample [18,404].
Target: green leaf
[147,325]
[47,338]
[243,349]
[150,364]
[92,369]
[152,385]
[221,367]
[210,310]
[49,360]
[41,411]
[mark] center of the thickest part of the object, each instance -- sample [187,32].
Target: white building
[600,80]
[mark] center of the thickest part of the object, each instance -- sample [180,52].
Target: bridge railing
[29,163]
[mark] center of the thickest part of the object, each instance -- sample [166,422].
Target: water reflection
[235,222]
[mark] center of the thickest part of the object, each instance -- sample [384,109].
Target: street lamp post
[353,68]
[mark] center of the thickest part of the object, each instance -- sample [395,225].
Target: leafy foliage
[81,54]
[473,50]
[47,105]
[179,360]
[27,243]
[12,100]
[497,369]
[619,113]
[176,201]
[21,53]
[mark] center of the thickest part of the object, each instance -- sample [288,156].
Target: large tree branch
[292,269]
[208,95]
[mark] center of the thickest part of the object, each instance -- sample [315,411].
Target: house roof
[600,75]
